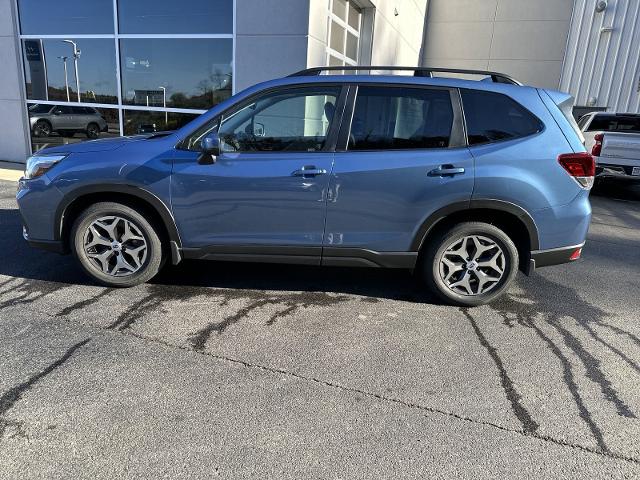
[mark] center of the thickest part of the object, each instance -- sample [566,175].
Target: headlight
[40,164]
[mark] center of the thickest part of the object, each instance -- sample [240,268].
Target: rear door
[402,157]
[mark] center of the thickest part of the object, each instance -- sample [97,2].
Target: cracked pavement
[219,370]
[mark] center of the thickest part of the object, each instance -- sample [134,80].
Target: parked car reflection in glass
[66,120]
[59,124]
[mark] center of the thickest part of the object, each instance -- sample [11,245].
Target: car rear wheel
[93,130]
[116,245]
[42,128]
[471,264]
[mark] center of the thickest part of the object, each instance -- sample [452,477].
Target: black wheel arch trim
[132,190]
[477,204]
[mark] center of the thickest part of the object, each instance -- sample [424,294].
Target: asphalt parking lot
[220,370]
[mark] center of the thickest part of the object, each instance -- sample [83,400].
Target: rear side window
[392,118]
[492,117]
[615,123]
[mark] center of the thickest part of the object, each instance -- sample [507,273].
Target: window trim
[458,133]
[332,133]
[493,142]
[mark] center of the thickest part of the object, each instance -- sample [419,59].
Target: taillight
[597,147]
[581,166]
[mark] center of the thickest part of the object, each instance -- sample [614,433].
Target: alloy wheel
[42,129]
[115,246]
[472,265]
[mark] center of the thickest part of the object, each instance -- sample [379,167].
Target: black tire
[154,253]
[93,130]
[441,242]
[42,129]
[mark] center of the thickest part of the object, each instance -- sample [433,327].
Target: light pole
[164,104]
[66,78]
[76,56]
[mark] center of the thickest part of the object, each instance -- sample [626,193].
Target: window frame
[332,17]
[458,132]
[493,142]
[332,132]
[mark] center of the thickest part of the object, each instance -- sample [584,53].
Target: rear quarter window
[493,117]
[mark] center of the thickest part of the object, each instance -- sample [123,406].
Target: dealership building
[75,70]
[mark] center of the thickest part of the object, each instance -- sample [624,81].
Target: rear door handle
[308,171]
[446,171]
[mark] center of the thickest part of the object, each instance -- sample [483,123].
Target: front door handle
[446,171]
[308,171]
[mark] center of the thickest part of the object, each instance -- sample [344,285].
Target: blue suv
[464,181]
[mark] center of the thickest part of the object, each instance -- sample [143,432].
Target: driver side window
[291,120]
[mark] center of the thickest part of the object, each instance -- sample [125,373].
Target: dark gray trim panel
[142,194]
[361,257]
[484,204]
[554,256]
[55,246]
[328,256]
[257,253]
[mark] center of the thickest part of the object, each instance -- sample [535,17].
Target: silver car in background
[66,120]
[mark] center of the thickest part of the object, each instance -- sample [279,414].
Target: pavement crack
[84,303]
[427,409]
[605,452]
[529,425]
[13,395]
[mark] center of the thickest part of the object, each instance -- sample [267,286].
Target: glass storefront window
[102,68]
[45,62]
[178,73]
[138,122]
[61,17]
[53,125]
[171,16]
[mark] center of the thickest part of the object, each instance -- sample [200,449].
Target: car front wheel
[116,245]
[471,264]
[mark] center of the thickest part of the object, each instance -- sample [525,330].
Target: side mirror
[210,149]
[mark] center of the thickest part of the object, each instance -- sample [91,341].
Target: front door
[268,186]
[403,158]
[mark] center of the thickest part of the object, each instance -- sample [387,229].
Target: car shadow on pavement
[19,260]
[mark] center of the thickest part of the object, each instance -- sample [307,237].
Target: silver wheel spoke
[97,238]
[480,248]
[129,234]
[136,254]
[103,259]
[452,267]
[493,262]
[472,265]
[121,263]
[464,282]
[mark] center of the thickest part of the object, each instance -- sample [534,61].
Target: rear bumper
[554,256]
[623,172]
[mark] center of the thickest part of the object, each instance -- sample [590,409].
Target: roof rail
[417,72]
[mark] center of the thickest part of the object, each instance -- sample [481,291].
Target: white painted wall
[522,38]
[271,39]
[397,39]
[13,137]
